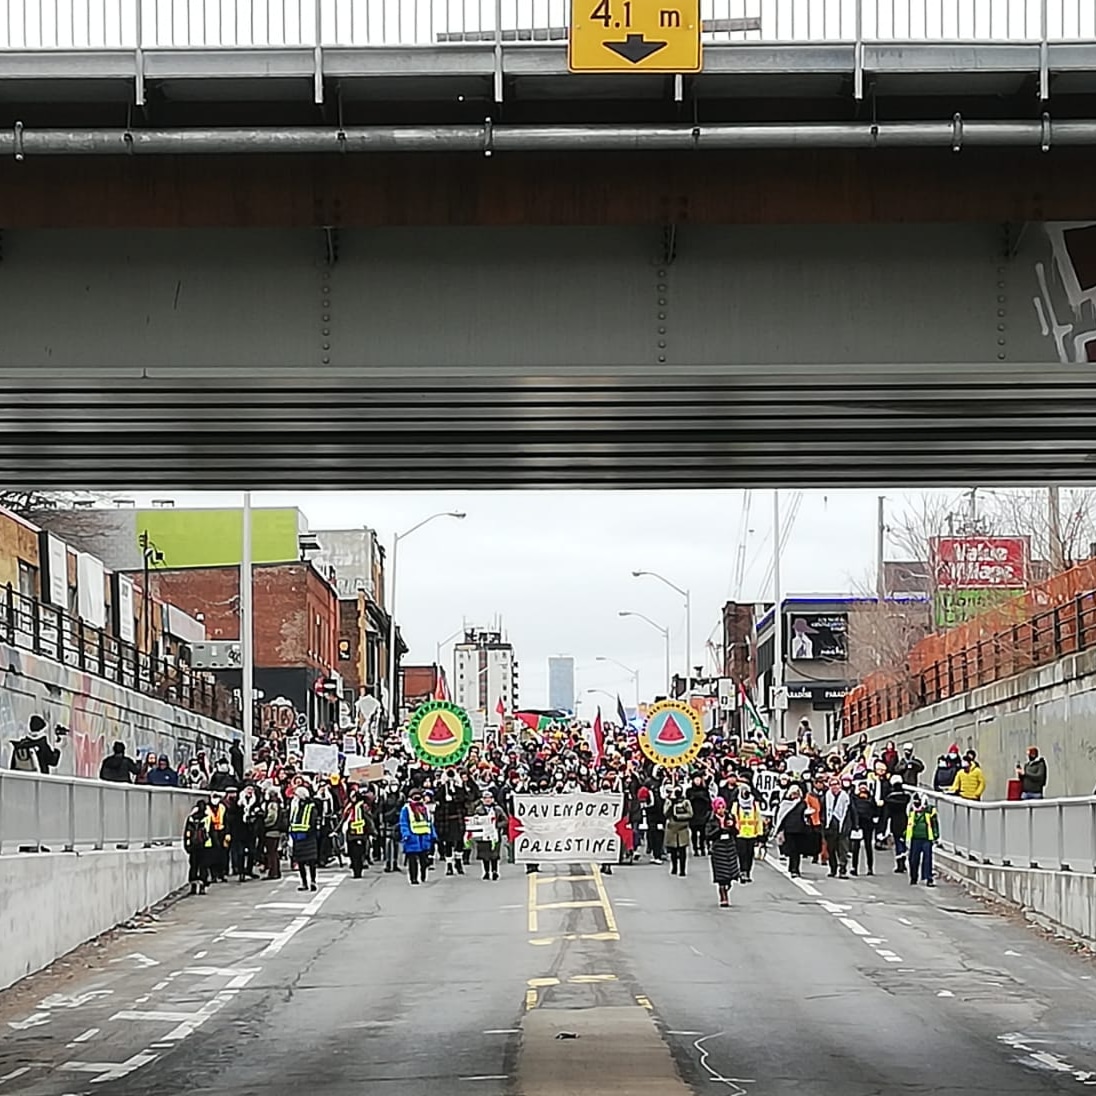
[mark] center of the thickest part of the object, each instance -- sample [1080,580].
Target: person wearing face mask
[947,768]
[218,826]
[358,822]
[723,850]
[970,783]
[198,843]
[451,809]
[679,816]
[895,815]
[865,814]
[700,799]
[417,835]
[749,826]
[838,826]
[910,767]
[304,835]
[222,777]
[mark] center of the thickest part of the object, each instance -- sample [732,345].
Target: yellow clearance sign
[634,36]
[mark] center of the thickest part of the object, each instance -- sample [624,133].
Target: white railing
[227,24]
[1053,834]
[62,813]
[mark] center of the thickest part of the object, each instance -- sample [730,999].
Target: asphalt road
[832,988]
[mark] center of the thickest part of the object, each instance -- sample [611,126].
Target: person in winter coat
[970,782]
[357,818]
[33,753]
[910,767]
[304,835]
[679,817]
[1033,776]
[922,833]
[391,804]
[700,799]
[119,769]
[793,829]
[275,827]
[198,843]
[838,827]
[722,849]
[417,835]
[865,819]
[654,814]
[162,775]
[488,845]
[223,778]
[750,827]
[895,811]
[947,768]
[452,806]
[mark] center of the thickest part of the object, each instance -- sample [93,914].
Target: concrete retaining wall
[1061,899]
[1052,707]
[51,903]
[98,713]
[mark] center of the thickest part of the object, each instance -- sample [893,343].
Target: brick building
[296,614]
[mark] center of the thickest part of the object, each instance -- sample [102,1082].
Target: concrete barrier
[51,903]
[1061,900]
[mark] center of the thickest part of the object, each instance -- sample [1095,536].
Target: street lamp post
[688,625]
[247,636]
[393,703]
[634,674]
[658,628]
[444,643]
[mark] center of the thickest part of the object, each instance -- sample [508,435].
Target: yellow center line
[603,894]
[533,920]
[530,998]
[541,983]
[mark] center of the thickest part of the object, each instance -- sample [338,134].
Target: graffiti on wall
[1065,303]
[96,714]
[281,716]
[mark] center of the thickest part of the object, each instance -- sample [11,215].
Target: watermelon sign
[440,733]
[672,735]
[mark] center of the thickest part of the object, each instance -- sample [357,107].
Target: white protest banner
[350,744]
[566,829]
[765,781]
[481,827]
[320,759]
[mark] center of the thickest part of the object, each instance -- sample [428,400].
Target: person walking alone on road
[793,829]
[417,836]
[722,849]
[922,832]
[749,826]
[198,843]
[1033,775]
[679,817]
[304,834]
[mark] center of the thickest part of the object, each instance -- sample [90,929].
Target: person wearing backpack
[33,753]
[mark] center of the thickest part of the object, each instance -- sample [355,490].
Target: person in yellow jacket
[970,782]
[751,827]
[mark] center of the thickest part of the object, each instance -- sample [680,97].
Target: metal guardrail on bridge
[1051,834]
[262,24]
[66,813]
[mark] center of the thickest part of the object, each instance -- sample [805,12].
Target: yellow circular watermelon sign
[440,733]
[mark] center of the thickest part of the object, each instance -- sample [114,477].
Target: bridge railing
[66,813]
[1053,834]
[263,24]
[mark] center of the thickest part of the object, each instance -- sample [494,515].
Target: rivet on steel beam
[956,132]
[488,137]
[874,135]
[342,139]
[1047,134]
[127,138]
[18,141]
[696,136]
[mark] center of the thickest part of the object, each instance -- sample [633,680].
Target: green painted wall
[214,538]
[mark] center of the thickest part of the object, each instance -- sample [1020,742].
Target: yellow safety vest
[304,820]
[357,820]
[749,822]
[418,823]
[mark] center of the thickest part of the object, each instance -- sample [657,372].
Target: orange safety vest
[217,817]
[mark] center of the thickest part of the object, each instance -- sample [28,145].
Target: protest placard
[320,758]
[566,829]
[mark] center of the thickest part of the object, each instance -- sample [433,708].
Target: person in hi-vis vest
[416,835]
[304,835]
[360,831]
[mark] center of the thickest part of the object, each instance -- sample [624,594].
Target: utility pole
[247,638]
[880,551]
[1054,522]
[778,629]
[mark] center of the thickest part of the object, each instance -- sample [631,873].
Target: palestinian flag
[751,711]
[535,721]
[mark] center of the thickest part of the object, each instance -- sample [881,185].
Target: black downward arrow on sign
[635,48]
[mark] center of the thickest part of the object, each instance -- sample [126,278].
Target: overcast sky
[556,566]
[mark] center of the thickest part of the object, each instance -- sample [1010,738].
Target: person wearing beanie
[118,768]
[33,753]
[723,850]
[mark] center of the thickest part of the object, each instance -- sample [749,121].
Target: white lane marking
[282,906]
[945,993]
[486,1077]
[802,884]
[713,1075]
[37,1020]
[200,954]
[836,908]
[873,940]
[137,957]
[905,921]
[696,951]
[233,932]
[683,1033]
[15,1074]
[85,1036]
[285,936]
[153,1016]
[1014,954]
[854,926]
[1052,1061]
[111,1071]
[502,1031]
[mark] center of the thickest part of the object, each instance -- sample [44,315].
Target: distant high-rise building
[485,672]
[561,682]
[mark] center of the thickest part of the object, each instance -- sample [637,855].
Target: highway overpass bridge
[400,243]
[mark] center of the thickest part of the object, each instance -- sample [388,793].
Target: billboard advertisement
[817,636]
[980,563]
[953,607]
